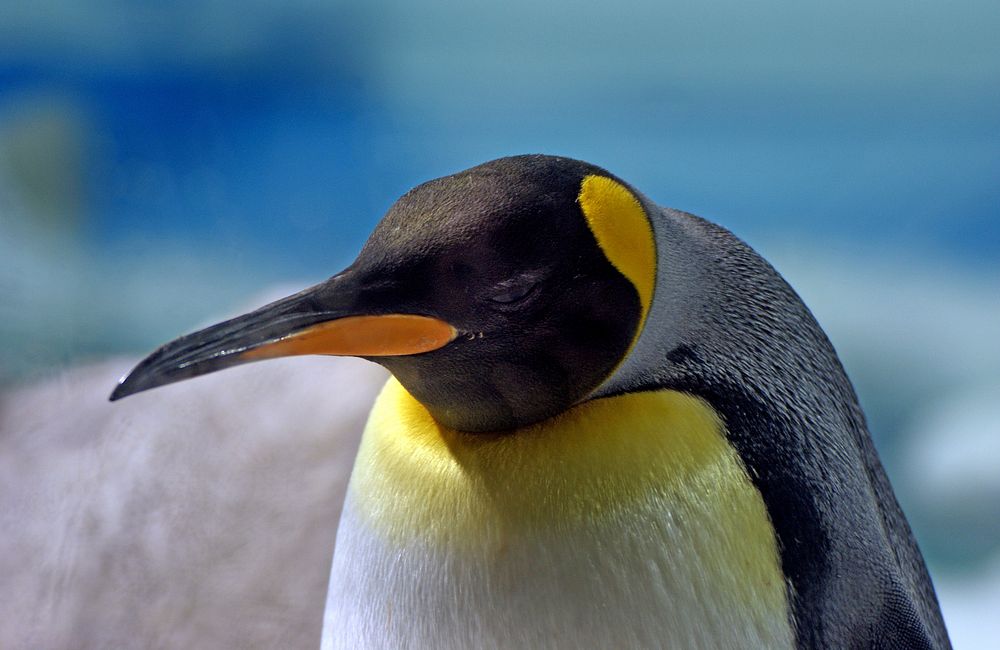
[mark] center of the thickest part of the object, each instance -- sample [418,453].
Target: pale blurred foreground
[198,515]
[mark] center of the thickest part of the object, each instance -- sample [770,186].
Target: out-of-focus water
[158,164]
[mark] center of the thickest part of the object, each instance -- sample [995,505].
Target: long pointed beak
[296,325]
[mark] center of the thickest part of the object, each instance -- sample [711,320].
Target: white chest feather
[626,522]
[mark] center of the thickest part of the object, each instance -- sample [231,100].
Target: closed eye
[504,295]
[515,289]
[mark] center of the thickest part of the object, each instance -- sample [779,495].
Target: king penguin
[609,425]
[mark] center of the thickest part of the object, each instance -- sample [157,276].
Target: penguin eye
[515,289]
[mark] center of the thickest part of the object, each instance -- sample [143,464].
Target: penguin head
[498,296]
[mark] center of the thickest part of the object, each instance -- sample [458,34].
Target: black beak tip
[131,383]
[121,390]
[222,345]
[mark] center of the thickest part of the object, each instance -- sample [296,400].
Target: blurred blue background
[160,163]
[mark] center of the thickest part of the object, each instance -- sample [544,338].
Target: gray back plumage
[729,329]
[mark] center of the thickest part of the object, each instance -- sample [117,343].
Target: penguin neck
[635,500]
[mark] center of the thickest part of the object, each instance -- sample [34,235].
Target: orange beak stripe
[362,336]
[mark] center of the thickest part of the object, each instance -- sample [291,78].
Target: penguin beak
[319,320]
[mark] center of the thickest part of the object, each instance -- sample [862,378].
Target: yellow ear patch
[623,232]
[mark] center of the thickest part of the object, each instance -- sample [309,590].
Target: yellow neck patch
[601,463]
[642,489]
[623,232]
